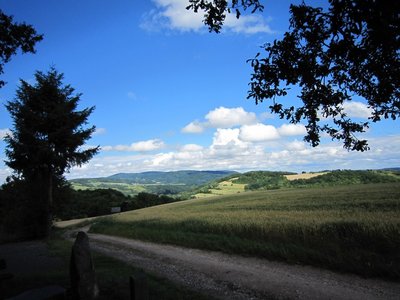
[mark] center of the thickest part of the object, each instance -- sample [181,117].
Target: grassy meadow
[354,228]
[225,187]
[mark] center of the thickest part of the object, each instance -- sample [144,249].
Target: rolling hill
[153,182]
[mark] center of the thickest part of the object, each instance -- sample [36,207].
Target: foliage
[263,180]
[215,11]
[20,217]
[72,204]
[48,134]
[349,228]
[343,177]
[166,183]
[349,50]
[14,36]
[48,131]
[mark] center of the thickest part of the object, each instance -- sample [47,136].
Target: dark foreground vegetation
[112,276]
[21,218]
[353,228]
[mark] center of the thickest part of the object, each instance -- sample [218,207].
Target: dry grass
[227,187]
[304,176]
[63,224]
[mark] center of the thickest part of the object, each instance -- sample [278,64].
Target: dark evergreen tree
[47,136]
[351,49]
[14,36]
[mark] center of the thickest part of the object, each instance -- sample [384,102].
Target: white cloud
[193,127]
[4,132]
[248,24]
[4,173]
[292,129]
[356,109]
[223,117]
[353,109]
[296,146]
[172,14]
[142,146]
[228,152]
[223,137]
[99,131]
[258,133]
[191,148]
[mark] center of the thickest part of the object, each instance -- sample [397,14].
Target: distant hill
[175,177]
[267,180]
[153,182]
[391,169]
[189,183]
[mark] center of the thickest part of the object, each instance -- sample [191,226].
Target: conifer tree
[47,136]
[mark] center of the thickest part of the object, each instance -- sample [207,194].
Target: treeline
[92,203]
[266,180]
[263,180]
[345,177]
[22,218]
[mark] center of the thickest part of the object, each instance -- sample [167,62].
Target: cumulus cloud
[191,148]
[223,117]
[142,146]
[193,127]
[172,14]
[228,152]
[353,109]
[99,131]
[223,137]
[4,173]
[4,132]
[248,24]
[356,109]
[296,146]
[292,129]
[258,133]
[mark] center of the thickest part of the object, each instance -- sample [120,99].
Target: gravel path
[234,277]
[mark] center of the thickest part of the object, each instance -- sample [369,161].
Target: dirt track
[233,277]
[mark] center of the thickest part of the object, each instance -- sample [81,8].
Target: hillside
[199,184]
[169,183]
[267,180]
[351,228]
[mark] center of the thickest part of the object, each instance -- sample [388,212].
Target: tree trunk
[49,203]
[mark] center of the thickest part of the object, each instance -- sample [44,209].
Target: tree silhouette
[349,50]
[48,134]
[14,36]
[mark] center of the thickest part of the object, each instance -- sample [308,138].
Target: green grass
[226,187]
[112,277]
[347,228]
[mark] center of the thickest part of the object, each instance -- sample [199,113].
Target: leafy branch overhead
[349,50]
[216,10]
[14,36]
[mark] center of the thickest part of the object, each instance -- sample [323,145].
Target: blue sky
[171,96]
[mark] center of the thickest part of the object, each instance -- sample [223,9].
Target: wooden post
[138,286]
